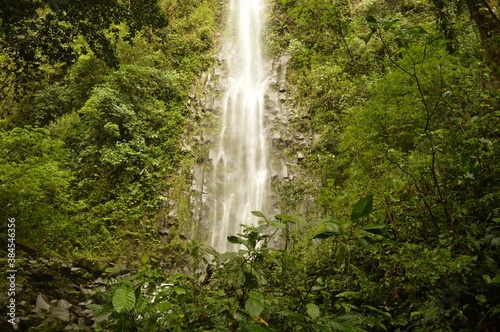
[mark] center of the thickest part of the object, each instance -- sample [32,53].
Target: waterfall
[240,166]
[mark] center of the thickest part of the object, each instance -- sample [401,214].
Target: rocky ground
[57,295]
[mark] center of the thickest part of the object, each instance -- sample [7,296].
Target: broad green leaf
[124,298]
[254,306]
[331,220]
[283,217]
[255,326]
[164,306]
[277,224]
[299,220]
[324,235]
[375,229]
[293,315]
[111,270]
[398,184]
[292,219]
[234,239]
[384,313]
[488,279]
[369,36]
[417,31]
[145,258]
[179,290]
[142,304]
[444,253]
[342,327]
[371,20]
[362,208]
[257,295]
[259,214]
[313,310]
[348,294]
[388,24]
[250,280]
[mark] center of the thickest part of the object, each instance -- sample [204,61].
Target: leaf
[179,290]
[291,219]
[164,306]
[254,306]
[293,315]
[417,31]
[388,24]
[398,184]
[234,239]
[371,20]
[362,208]
[348,294]
[111,270]
[324,235]
[383,313]
[444,253]
[278,224]
[331,220]
[337,326]
[259,214]
[250,280]
[124,298]
[313,310]
[375,229]
[367,38]
[254,327]
[488,279]
[145,258]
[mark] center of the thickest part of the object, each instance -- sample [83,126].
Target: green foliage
[37,32]
[123,298]
[34,182]
[258,288]
[399,111]
[115,130]
[410,115]
[192,34]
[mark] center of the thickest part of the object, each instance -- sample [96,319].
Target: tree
[485,14]
[33,181]
[38,32]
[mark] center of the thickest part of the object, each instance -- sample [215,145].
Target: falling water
[240,165]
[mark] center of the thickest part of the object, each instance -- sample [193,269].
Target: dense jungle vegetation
[402,96]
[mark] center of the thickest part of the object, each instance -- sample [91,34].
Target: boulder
[63,304]
[60,313]
[42,302]
[43,273]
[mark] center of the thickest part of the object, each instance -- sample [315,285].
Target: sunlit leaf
[179,290]
[124,298]
[259,214]
[398,184]
[277,224]
[313,310]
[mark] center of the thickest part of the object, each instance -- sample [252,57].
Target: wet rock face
[56,295]
[288,132]
[289,136]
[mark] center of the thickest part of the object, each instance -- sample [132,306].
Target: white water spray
[240,166]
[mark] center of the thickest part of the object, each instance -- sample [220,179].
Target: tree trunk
[485,14]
